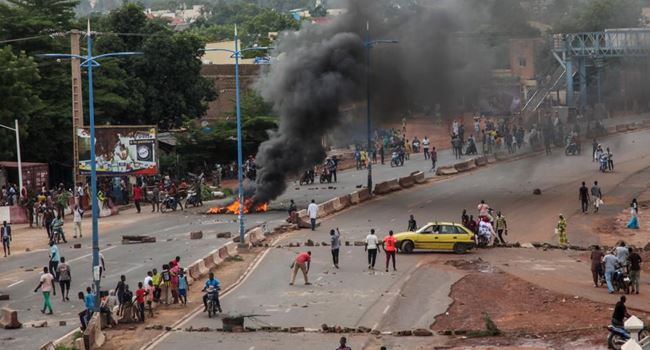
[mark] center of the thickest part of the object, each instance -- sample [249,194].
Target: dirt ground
[526,314]
[134,336]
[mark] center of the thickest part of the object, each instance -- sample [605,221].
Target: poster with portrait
[119,150]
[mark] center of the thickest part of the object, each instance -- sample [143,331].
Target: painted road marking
[15,284]
[287,310]
[386,309]
[375,326]
[90,254]
[272,310]
[251,348]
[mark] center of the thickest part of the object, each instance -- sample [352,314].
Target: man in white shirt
[312,209]
[425,147]
[372,243]
[77,212]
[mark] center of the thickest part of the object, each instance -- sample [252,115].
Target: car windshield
[428,229]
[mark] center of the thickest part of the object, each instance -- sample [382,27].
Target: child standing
[140,293]
[150,296]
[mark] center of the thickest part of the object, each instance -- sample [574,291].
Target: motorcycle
[193,199]
[57,235]
[325,175]
[307,177]
[396,160]
[571,149]
[213,302]
[168,202]
[621,281]
[619,336]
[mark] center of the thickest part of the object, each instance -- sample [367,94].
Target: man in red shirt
[139,298]
[137,196]
[302,263]
[390,248]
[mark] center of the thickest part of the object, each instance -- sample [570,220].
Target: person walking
[89,301]
[634,212]
[610,160]
[561,231]
[611,263]
[63,271]
[335,243]
[137,196]
[46,285]
[312,209]
[635,269]
[389,245]
[412,225]
[434,159]
[5,235]
[594,148]
[54,258]
[583,195]
[596,266]
[372,243]
[183,287]
[302,262]
[77,214]
[596,196]
[502,228]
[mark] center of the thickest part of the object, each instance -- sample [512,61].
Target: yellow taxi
[446,236]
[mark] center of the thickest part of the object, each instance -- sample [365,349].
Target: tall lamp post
[20,164]
[89,61]
[369,44]
[236,54]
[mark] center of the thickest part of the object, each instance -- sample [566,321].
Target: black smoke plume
[321,69]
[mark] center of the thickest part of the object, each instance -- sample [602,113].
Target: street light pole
[369,44]
[20,164]
[89,62]
[236,54]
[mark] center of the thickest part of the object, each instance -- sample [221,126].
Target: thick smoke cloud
[321,69]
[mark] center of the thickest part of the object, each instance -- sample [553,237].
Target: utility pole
[77,100]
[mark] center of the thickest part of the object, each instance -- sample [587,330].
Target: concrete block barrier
[446,170]
[209,263]
[646,123]
[216,257]
[196,235]
[418,177]
[194,270]
[491,158]
[481,161]
[327,208]
[93,335]
[465,166]
[631,126]
[364,195]
[382,187]
[9,319]
[621,128]
[393,185]
[344,202]
[232,248]
[611,129]
[406,182]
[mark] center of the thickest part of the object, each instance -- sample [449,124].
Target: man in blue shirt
[211,284]
[89,301]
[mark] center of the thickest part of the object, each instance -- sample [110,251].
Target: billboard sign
[120,150]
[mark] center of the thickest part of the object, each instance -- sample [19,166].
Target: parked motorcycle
[619,336]
[168,203]
[325,175]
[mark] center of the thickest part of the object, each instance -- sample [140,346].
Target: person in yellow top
[561,231]
[364,159]
[156,279]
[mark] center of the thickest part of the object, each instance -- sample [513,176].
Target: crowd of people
[612,267]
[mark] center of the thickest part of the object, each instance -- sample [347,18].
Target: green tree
[598,15]
[18,76]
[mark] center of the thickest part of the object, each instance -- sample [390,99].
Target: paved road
[413,296]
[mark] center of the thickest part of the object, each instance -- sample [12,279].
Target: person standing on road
[390,248]
[620,313]
[5,234]
[140,294]
[183,287]
[54,258]
[342,344]
[302,263]
[412,226]
[119,291]
[77,214]
[335,243]
[610,160]
[334,163]
[425,147]
[594,148]
[611,262]
[583,195]
[137,196]
[622,253]
[502,227]
[63,271]
[635,270]
[149,289]
[312,209]
[596,266]
[155,199]
[372,242]
[561,231]
[46,286]
[596,196]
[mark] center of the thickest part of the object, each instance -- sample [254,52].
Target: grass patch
[64,347]
[235,258]
[491,329]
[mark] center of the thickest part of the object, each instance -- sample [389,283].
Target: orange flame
[233,208]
